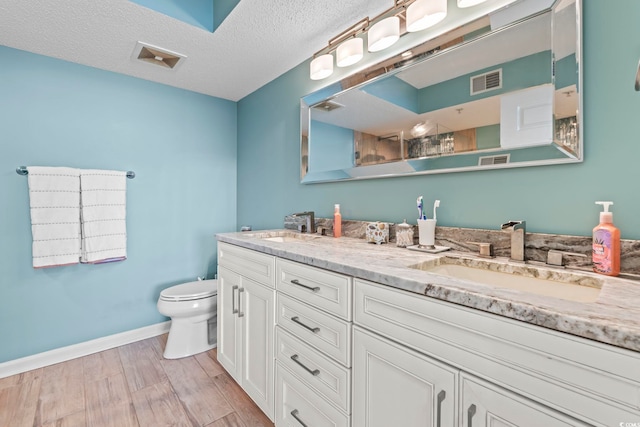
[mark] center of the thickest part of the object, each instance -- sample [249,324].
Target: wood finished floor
[129,386]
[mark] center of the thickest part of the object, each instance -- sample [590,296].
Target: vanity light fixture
[382,31]
[469,3]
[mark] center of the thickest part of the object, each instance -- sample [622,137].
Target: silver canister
[404,235]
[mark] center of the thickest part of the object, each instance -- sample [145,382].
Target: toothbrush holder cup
[427,233]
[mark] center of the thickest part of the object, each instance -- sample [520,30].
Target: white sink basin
[283,239]
[283,236]
[572,286]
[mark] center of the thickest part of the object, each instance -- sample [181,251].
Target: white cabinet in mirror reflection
[526,117]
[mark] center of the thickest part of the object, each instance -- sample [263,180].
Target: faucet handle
[555,257]
[512,223]
[486,249]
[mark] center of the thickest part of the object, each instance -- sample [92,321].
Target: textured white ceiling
[259,40]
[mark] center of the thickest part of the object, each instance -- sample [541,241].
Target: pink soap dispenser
[337,221]
[606,244]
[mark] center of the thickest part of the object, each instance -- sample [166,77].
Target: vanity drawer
[320,288]
[254,265]
[297,405]
[322,374]
[323,331]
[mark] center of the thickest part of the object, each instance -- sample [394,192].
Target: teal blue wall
[335,150]
[488,137]
[566,71]
[552,199]
[198,13]
[396,91]
[182,146]
[522,73]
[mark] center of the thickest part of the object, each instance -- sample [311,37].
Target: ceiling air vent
[327,106]
[486,82]
[157,56]
[493,160]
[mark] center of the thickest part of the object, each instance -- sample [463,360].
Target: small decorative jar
[404,235]
[377,232]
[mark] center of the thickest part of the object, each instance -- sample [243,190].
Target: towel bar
[22,170]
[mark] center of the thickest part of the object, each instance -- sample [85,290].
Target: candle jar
[404,235]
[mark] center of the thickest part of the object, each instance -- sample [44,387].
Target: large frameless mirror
[497,92]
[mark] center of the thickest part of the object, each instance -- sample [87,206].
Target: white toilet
[192,309]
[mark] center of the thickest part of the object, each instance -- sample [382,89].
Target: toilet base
[188,337]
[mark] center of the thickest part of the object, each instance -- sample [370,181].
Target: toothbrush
[436,204]
[419,202]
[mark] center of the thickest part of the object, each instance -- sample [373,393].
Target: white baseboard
[24,364]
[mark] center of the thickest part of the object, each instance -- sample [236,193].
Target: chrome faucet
[518,230]
[310,223]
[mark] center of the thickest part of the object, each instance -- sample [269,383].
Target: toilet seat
[190,291]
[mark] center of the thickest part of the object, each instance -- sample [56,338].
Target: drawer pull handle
[296,320]
[294,414]
[313,372]
[441,397]
[311,288]
[470,413]
[240,314]
[234,310]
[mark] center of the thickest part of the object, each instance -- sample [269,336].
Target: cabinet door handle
[296,320]
[313,372]
[311,288]
[294,414]
[441,397]
[470,413]
[234,310]
[241,290]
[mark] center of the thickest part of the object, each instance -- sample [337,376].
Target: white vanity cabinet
[246,303]
[509,373]
[313,346]
[317,348]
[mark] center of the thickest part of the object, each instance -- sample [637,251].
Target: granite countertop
[614,318]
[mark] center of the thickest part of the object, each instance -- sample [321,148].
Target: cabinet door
[486,405]
[396,386]
[229,324]
[256,310]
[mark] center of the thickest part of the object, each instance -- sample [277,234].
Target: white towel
[103,215]
[54,199]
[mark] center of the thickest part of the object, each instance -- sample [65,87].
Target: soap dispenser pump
[606,244]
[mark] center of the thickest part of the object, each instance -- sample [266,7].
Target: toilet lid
[190,291]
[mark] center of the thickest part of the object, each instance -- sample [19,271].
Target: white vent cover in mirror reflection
[157,56]
[327,106]
[487,81]
[501,159]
